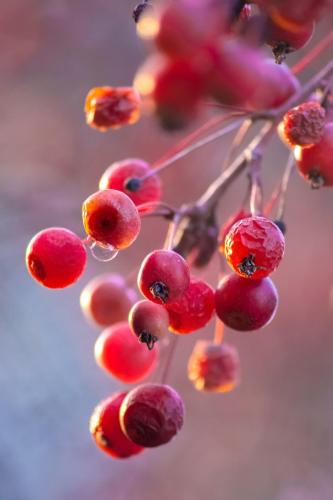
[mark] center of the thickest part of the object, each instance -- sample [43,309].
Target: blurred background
[272,438]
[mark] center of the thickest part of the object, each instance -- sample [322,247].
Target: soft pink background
[271,439]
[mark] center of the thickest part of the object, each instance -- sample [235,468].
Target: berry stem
[160,209]
[173,226]
[218,332]
[256,198]
[170,354]
[284,186]
[237,140]
[313,54]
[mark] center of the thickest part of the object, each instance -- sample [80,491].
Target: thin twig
[172,347]
[237,140]
[284,186]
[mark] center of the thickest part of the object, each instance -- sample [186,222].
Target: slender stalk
[170,354]
[237,140]
[218,332]
[256,198]
[284,186]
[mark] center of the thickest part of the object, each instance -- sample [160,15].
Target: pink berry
[56,257]
[149,322]
[111,218]
[164,276]
[244,304]
[119,353]
[106,431]
[214,367]
[128,176]
[106,299]
[151,414]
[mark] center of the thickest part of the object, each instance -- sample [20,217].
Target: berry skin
[106,299]
[244,304]
[112,107]
[214,367]
[193,310]
[106,431]
[163,277]
[304,124]
[284,41]
[314,163]
[56,257]
[149,322]
[254,247]
[151,414]
[126,176]
[241,214]
[111,218]
[119,353]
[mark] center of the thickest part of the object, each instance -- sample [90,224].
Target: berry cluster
[205,49]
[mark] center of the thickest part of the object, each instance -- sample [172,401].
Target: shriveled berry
[193,310]
[119,353]
[151,414]
[112,107]
[164,276]
[314,163]
[244,304]
[241,214]
[254,247]
[56,257]
[105,428]
[149,322]
[304,124]
[130,177]
[110,217]
[214,367]
[106,299]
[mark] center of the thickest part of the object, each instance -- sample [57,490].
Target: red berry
[315,162]
[127,176]
[106,299]
[214,367]
[106,431]
[283,41]
[56,257]
[111,218]
[293,14]
[164,276]
[304,124]
[112,107]
[241,214]
[244,304]
[254,247]
[193,310]
[149,322]
[151,414]
[119,353]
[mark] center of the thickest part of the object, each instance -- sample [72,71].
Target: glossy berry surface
[128,176]
[244,304]
[105,428]
[254,247]
[149,322]
[56,257]
[304,124]
[106,299]
[314,163]
[112,107]
[119,353]
[241,214]
[164,276]
[214,367]
[283,41]
[193,310]
[111,218]
[152,414]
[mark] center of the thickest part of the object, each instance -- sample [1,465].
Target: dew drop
[101,251]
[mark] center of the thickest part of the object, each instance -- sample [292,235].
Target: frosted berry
[193,310]
[152,414]
[119,353]
[164,276]
[241,214]
[56,257]
[244,304]
[112,107]
[304,124]
[106,299]
[149,322]
[214,367]
[254,247]
[315,162]
[111,218]
[128,176]
[105,429]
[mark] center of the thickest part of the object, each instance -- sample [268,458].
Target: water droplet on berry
[101,251]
